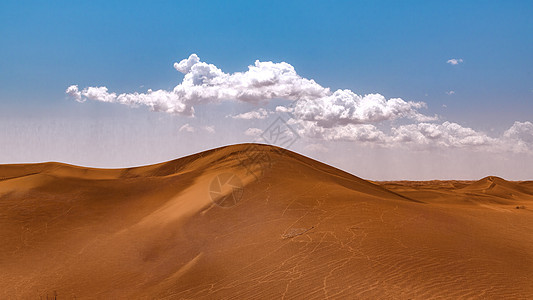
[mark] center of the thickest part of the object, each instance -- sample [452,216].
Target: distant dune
[258,222]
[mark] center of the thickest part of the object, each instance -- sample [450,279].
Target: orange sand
[294,228]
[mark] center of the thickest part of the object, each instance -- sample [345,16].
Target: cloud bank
[424,136]
[316,111]
[205,83]
[345,107]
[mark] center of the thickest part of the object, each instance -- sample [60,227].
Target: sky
[382,89]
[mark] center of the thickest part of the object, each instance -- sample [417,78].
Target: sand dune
[258,222]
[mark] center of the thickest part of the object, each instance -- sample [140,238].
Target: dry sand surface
[255,222]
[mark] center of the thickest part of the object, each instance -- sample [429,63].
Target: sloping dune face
[255,221]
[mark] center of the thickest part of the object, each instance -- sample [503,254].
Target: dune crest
[274,224]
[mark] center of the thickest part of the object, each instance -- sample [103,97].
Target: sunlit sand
[288,227]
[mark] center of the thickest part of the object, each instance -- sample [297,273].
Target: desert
[266,150]
[254,221]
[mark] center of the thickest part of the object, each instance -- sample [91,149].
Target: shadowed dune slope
[258,222]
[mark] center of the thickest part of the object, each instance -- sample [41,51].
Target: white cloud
[348,132]
[73,92]
[187,128]
[360,133]
[185,65]
[283,109]
[339,115]
[415,136]
[253,132]
[315,111]
[520,131]
[446,134]
[344,107]
[254,114]
[520,137]
[454,61]
[204,83]
[159,100]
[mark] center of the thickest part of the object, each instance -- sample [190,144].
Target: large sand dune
[253,221]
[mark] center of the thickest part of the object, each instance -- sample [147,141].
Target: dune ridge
[295,228]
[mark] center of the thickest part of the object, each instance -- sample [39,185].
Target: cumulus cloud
[420,135]
[450,92]
[283,109]
[255,114]
[342,114]
[315,111]
[159,100]
[256,132]
[423,135]
[73,92]
[345,107]
[205,83]
[520,131]
[446,134]
[185,65]
[520,137]
[360,133]
[348,132]
[454,61]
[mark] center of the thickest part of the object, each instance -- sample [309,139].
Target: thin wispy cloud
[189,128]
[210,129]
[186,128]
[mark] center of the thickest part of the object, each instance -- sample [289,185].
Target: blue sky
[398,49]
